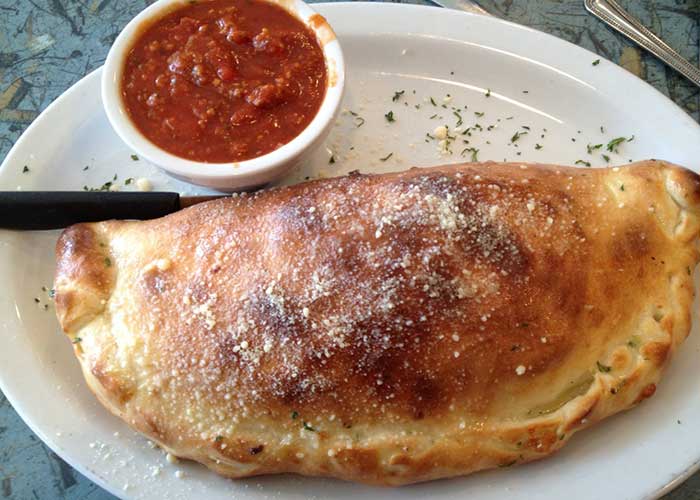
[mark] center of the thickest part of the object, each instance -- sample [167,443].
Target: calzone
[387,329]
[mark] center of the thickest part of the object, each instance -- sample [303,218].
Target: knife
[57,209]
[464,5]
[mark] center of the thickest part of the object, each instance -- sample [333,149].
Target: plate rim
[619,71]
[87,80]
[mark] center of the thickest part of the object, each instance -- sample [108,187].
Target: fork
[465,5]
[610,12]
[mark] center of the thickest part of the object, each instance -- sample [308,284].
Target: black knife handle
[57,209]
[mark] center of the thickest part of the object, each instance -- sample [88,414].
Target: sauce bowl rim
[237,171]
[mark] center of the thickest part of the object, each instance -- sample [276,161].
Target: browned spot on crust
[596,316]
[632,245]
[359,461]
[657,352]
[112,385]
[65,300]
[620,359]
[647,392]
[425,396]
[155,282]
[239,450]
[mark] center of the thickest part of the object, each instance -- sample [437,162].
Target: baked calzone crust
[387,328]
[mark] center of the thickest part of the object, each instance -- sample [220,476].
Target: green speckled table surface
[48,45]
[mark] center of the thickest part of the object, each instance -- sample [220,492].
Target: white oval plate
[389,48]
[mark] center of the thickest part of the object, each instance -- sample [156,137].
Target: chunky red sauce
[224,80]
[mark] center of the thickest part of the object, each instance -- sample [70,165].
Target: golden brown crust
[83,275]
[388,329]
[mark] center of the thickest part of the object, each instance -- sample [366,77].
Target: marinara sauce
[224,80]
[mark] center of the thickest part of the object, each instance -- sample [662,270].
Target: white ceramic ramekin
[234,175]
